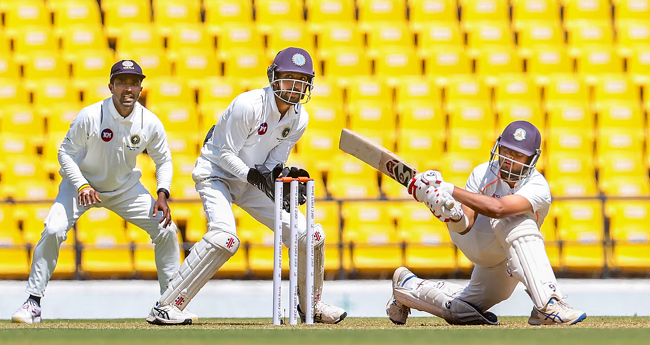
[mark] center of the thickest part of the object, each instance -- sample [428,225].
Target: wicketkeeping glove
[264,180]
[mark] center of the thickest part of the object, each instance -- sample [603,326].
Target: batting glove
[421,182]
[438,201]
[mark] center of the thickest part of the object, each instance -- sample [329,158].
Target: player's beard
[510,175]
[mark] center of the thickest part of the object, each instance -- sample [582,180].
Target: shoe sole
[390,301]
[538,322]
[19,320]
[342,317]
[159,322]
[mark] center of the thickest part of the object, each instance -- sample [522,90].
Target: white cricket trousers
[134,205]
[218,195]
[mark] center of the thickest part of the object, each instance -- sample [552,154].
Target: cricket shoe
[325,313]
[29,312]
[556,312]
[168,315]
[396,311]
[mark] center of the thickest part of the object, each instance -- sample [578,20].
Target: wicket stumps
[293,250]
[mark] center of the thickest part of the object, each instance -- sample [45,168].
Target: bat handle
[450,204]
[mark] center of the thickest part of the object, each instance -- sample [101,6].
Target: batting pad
[438,299]
[528,263]
[319,264]
[205,259]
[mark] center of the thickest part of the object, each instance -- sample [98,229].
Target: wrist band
[164,191]
[82,187]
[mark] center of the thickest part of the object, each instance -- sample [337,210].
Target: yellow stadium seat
[12,92]
[622,163]
[424,13]
[563,164]
[398,64]
[439,36]
[183,186]
[346,64]
[470,139]
[161,90]
[271,14]
[566,88]
[218,90]
[40,66]
[615,89]
[16,144]
[90,65]
[51,91]
[419,90]
[389,37]
[319,143]
[476,11]
[181,144]
[445,66]
[193,65]
[368,89]
[77,39]
[428,245]
[620,114]
[5,47]
[372,115]
[625,186]
[631,36]
[415,115]
[21,168]
[22,119]
[573,186]
[246,64]
[177,116]
[225,12]
[94,90]
[638,64]
[551,242]
[338,38]
[139,36]
[375,13]
[106,249]
[631,10]
[599,62]
[540,37]
[348,177]
[629,233]
[193,37]
[70,13]
[612,140]
[210,115]
[20,15]
[191,217]
[170,13]
[8,67]
[518,110]
[516,89]
[588,34]
[290,34]
[370,232]
[154,61]
[496,64]
[549,63]
[326,116]
[574,115]
[116,15]
[235,37]
[144,259]
[468,115]
[14,257]
[322,14]
[571,139]
[32,39]
[531,13]
[578,11]
[467,89]
[259,240]
[482,38]
[421,142]
[581,229]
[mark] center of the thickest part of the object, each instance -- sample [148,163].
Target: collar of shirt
[116,115]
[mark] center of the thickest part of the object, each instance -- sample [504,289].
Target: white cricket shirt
[101,148]
[250,132]
[535,189]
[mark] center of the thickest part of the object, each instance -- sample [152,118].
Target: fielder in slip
[497,227]
[242,155]
[97,160]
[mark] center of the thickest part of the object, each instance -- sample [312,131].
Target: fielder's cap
[294,60]
[126,67]
[521,136]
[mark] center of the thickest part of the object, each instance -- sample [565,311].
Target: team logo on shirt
[135,140]
[262,129]
[285,132]
[107,135]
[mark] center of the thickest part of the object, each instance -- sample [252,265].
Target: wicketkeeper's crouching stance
[255,133]
[497,227]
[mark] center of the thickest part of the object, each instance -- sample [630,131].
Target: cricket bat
[379,158]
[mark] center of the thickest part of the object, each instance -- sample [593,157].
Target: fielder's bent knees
[58,228]
[165,233]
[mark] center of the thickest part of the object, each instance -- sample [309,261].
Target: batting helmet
[522,137]
[296,60]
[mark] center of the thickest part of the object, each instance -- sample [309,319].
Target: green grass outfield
[420,330]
